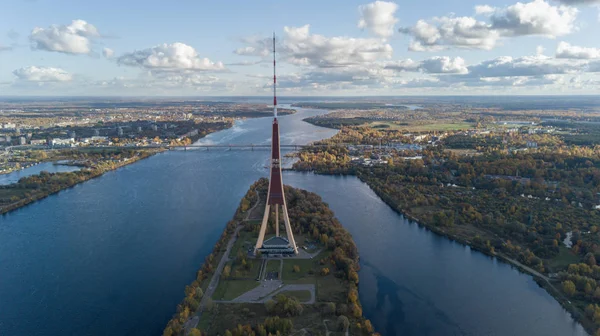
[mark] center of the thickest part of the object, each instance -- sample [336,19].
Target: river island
[315,292]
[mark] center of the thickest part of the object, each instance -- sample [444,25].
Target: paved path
[212,286]
[308,287]
[249,212]
[269,288]
[192,322]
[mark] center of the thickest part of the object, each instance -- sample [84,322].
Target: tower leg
[263,229]
[276,221]
[288,228]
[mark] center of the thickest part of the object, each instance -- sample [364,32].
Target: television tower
[275,196]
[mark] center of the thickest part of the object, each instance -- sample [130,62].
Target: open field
[564,258]
[451,126]
[301,295]
[230,289]
[306,273]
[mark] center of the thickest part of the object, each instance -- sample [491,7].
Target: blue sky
[326,47]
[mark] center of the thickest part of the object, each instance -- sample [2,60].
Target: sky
[327,48]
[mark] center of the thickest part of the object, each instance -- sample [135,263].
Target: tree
[590,259]
[329,308]
[569,287]
[324,271]
[195,332]
[296,269]
[343,323]
[588,288]
[270,306]
[199,293]
[228,333]
[368,327]
[227,271]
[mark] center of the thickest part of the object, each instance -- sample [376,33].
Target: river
[50,167]
[112,256]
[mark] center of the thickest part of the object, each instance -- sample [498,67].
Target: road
[212,286]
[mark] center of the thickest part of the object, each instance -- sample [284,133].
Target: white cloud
[378,17]
[175,57]
[107,52]
[540,65]
[566,50]
[463,32]
[253,51]
[299,47]
[445,64]
[70,39]
[42,74]
[539,50]
[579,2]
[483,10]
[534,18]
[434,65]
[303,48]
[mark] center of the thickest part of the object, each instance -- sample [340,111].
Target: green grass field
[306,266]
[331,289]
[273,266]
[563,259]
[242,272]
[230,289]
[301,295]
[452,126]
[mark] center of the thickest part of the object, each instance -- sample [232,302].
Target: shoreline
[542,280]
[93,173]
[187,319]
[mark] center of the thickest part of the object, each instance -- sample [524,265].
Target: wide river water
[112,256]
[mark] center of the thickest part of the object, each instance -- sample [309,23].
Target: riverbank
[542,280]
[481,244]
[36,187]
[221,296]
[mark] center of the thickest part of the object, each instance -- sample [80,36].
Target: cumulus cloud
[566,50]
[107,52]
[464,32]
[298,46]
[434,65]
[539,65]
[69,39]
[579,2]
[539,50]
[42,74]
[335,78]
[262,51]
[378,18]
[534,18]
[169,57]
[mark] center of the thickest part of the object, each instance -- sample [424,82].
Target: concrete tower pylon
[275,196]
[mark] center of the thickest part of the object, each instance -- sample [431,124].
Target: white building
[62,142]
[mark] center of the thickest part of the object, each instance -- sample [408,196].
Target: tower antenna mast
[274,81]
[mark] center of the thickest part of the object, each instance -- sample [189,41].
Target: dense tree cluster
[520,204]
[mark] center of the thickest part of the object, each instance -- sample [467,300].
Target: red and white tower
[275,196]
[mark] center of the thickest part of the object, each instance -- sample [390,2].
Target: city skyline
[366,48]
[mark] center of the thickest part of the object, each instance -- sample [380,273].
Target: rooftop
[276,241]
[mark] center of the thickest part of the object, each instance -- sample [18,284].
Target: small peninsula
[313,293]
